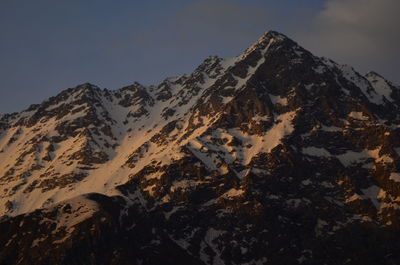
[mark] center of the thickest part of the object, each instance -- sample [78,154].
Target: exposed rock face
[273,157]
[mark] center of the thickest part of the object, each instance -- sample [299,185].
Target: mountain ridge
[270,147]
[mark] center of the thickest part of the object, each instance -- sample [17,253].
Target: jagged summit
[269,36]
[267,39]
[276,153]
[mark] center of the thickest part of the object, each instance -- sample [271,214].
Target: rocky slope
[273,157]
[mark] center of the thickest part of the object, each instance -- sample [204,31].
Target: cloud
[362,33]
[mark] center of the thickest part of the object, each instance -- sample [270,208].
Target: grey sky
[47,46]
[362,33]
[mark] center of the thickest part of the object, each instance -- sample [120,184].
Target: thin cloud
[362,33]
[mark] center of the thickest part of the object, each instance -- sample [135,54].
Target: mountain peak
[276,137]
[267,39]
[269,36]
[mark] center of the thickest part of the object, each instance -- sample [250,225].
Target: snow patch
[232,193]
[395,176]
[358,116]
[278,100]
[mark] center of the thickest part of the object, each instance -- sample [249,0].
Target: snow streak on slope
[91,140]
[131,117]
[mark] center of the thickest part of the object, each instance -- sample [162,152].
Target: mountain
[276,156]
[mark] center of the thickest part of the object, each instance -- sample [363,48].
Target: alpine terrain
[274,157]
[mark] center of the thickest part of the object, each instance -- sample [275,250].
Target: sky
[47,46]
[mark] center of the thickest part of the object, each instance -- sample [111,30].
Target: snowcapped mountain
[272,157]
